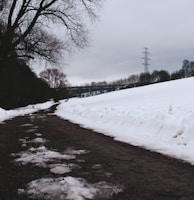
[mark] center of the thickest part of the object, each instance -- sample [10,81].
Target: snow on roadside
[158,117]
[9,114]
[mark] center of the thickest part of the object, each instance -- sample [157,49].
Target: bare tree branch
[26,24]
[11,13]
[54,78]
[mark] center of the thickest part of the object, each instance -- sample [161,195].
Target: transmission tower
[146,60]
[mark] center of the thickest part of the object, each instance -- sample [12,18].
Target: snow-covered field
[158,117]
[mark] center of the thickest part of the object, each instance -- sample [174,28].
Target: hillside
[158,117]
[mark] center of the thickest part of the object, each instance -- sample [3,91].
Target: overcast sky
[166,27]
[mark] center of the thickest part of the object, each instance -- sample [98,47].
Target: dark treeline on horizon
[156,76]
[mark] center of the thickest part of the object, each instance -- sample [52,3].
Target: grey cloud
[126,27]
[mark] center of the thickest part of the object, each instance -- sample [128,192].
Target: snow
[62,168]
[64,187]
[72,151]
[38,140]
[40,156]
[158,117]
[69,188]
[36,154]
[9,114]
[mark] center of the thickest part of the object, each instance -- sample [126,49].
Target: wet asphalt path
[131,173]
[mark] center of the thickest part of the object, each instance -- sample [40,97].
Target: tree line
[141,79]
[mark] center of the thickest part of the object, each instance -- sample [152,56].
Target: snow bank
[9,114]
[158,117]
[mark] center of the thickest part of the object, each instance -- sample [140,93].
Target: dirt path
[118,170]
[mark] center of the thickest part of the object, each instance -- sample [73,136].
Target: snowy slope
[158,117]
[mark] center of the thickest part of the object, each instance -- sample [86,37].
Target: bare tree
[133,79]
[26,27]
[54,78]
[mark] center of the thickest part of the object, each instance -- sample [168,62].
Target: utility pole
[146,60]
